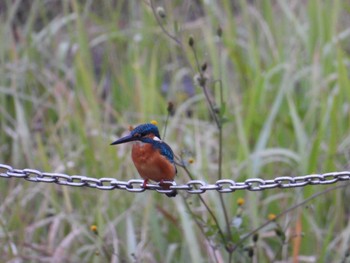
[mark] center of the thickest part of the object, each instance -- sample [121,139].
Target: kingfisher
[153,158]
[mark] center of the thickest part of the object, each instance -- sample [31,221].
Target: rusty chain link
[192,186]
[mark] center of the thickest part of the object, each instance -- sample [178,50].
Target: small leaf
[235,237]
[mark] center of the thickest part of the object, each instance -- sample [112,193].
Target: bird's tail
[172,194]
[166,186]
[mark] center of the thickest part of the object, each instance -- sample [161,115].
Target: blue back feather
[164,149]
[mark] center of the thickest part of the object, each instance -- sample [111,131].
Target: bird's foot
[166,186]
[144,185]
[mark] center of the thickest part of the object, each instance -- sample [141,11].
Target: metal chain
[192,187]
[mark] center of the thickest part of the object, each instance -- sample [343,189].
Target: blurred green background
[75,74]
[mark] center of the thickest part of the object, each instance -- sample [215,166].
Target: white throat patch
[155,138]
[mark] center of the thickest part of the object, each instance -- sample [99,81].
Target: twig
[178,42]
[202,84]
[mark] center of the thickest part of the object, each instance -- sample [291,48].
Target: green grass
[74,76]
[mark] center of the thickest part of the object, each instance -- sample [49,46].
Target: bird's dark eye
[137,135]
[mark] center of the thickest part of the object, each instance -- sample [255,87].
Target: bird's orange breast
[151,164]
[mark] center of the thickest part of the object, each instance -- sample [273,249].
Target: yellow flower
[154,122]
[240,201]
[271,216]
[93,228]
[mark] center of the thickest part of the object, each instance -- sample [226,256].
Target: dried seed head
[191,41]
[199,79]
[279,232]
[216,109]
[204,66]
[160,12]
[170,108]
[219,31]
[250,251]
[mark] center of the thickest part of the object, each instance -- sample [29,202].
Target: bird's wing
[166,151]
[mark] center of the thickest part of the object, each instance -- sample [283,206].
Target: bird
[153,158]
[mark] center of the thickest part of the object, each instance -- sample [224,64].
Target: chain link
[192,187]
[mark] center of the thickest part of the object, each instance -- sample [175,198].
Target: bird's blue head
[147,130]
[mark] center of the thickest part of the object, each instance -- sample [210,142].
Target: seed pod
[204,66]
[191,41]
[219,31]
[160,12]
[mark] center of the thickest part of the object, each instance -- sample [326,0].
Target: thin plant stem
[219,126]
[165,126]
[203,86]
[202,83]
[201,229]
[220,154]
[230,257]
[211,106]
[207,207]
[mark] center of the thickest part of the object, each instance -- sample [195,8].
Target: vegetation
[259,89]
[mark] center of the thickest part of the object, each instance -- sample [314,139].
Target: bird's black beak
[128,138]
